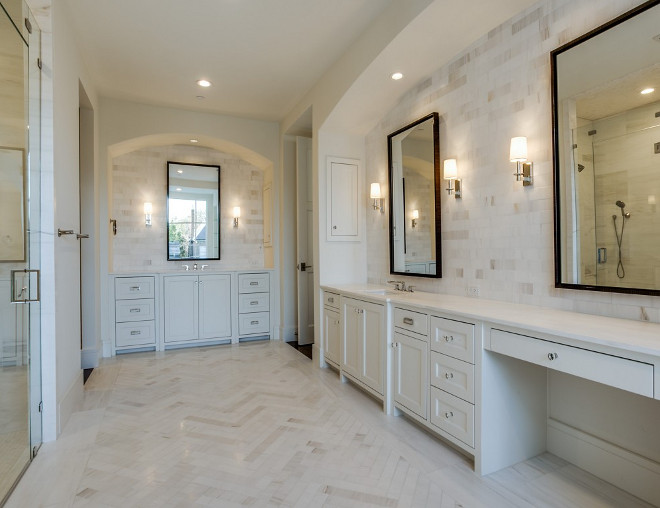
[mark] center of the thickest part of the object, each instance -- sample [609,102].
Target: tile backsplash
[500,236]
[141,176]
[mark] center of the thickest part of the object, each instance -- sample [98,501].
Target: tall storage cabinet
[197,307]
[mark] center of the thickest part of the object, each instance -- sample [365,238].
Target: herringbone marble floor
[258,425]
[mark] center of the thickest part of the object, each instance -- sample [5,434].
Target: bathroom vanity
[158,311]
[477,374]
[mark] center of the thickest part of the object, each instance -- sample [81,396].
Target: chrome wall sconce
[237,214]
[415,218]
[377,197]
[518,154]
[148,209]
[450,173]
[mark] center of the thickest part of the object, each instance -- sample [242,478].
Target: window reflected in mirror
[193,211]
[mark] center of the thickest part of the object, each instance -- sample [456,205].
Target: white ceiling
[262,56]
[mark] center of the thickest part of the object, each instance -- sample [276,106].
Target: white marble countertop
[628,335]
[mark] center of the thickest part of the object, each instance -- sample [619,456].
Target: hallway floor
[259,425]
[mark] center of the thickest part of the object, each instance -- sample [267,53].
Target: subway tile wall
[141,176]
[499,236]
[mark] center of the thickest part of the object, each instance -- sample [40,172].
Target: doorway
[305,235]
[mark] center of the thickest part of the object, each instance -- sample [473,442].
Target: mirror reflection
[193,211]
[607,151]
[414,212]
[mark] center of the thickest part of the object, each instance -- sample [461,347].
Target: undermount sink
[384,291]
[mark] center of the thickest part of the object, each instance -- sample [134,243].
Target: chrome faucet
[204,266]
[195,266]
[399,285]
[187,267]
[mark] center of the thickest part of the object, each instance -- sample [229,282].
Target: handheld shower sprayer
[620,271]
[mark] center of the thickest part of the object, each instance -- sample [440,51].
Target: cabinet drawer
[141,333]
[127,288]
[253,282]
[134,310]
[411,321]
[453,415]
[629,375]
[331,300]
[453,338]
[453,376]
[257,322]
[257,302]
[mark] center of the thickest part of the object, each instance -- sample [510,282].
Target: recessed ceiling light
[204,82]
[201,97]
[647,91]
[397,76]
[194,141]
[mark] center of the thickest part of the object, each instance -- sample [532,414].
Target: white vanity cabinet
[363,336]
[331,328]
[196,307]
[135,313]
[253,304]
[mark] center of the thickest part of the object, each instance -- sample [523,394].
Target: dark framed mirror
[606,136]
[193,211]
[414,172]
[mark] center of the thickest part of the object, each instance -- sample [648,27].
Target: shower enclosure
[616,177]
[20,366]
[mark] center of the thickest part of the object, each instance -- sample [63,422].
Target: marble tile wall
[499,236]
[140,176]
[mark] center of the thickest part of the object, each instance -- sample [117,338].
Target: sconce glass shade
[237,212]
[450,169]
[148,208]
[518,151]
[375,191]
[415,214]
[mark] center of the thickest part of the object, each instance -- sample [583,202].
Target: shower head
[621,204]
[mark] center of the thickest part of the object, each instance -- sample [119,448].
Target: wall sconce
[415,218]
[377,197]
[518,154]
[450,173]
[237,214]
[148,208]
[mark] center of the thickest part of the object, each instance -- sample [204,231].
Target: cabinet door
[342,195]
[352,336]
[411,379]
[331,335]
[180,309]
[214,306]
[372,345]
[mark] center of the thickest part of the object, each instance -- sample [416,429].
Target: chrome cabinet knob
[552,356]
[449,375]
[449,414]
[448,338]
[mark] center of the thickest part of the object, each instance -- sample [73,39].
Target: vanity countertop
[624,334]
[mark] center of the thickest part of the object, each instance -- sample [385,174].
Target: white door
[180,309]
[372,346]
[352,334]
[305,235]
[214,306]
[411,379]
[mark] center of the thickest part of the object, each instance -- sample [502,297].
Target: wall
[499,236]
[141,176]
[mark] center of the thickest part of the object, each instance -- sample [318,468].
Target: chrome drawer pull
[254,303]
[255,283]
[135,288]
[136,332]
[254,322]
[408,321]
[134,310]
[331,299]
[449,414]
[448,338]
[449,375]
[553,356]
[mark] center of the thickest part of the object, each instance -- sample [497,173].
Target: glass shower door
[20,383]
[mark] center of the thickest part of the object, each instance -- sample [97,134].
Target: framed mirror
[606,120]
[414,170]
[193,211]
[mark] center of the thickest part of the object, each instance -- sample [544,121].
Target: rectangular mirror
[414,170]
[606,119]
[193,211]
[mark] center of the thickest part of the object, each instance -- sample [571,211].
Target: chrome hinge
[28,25]
[41,407]
[39,63]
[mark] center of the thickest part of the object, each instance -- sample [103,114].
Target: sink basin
[385,292]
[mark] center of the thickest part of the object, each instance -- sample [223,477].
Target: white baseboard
[70,403]
[627,470]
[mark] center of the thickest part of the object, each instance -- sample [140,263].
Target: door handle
[82,235]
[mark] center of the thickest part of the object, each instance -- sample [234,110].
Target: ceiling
[262,56]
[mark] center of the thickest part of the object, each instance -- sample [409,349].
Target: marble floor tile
[258,425]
